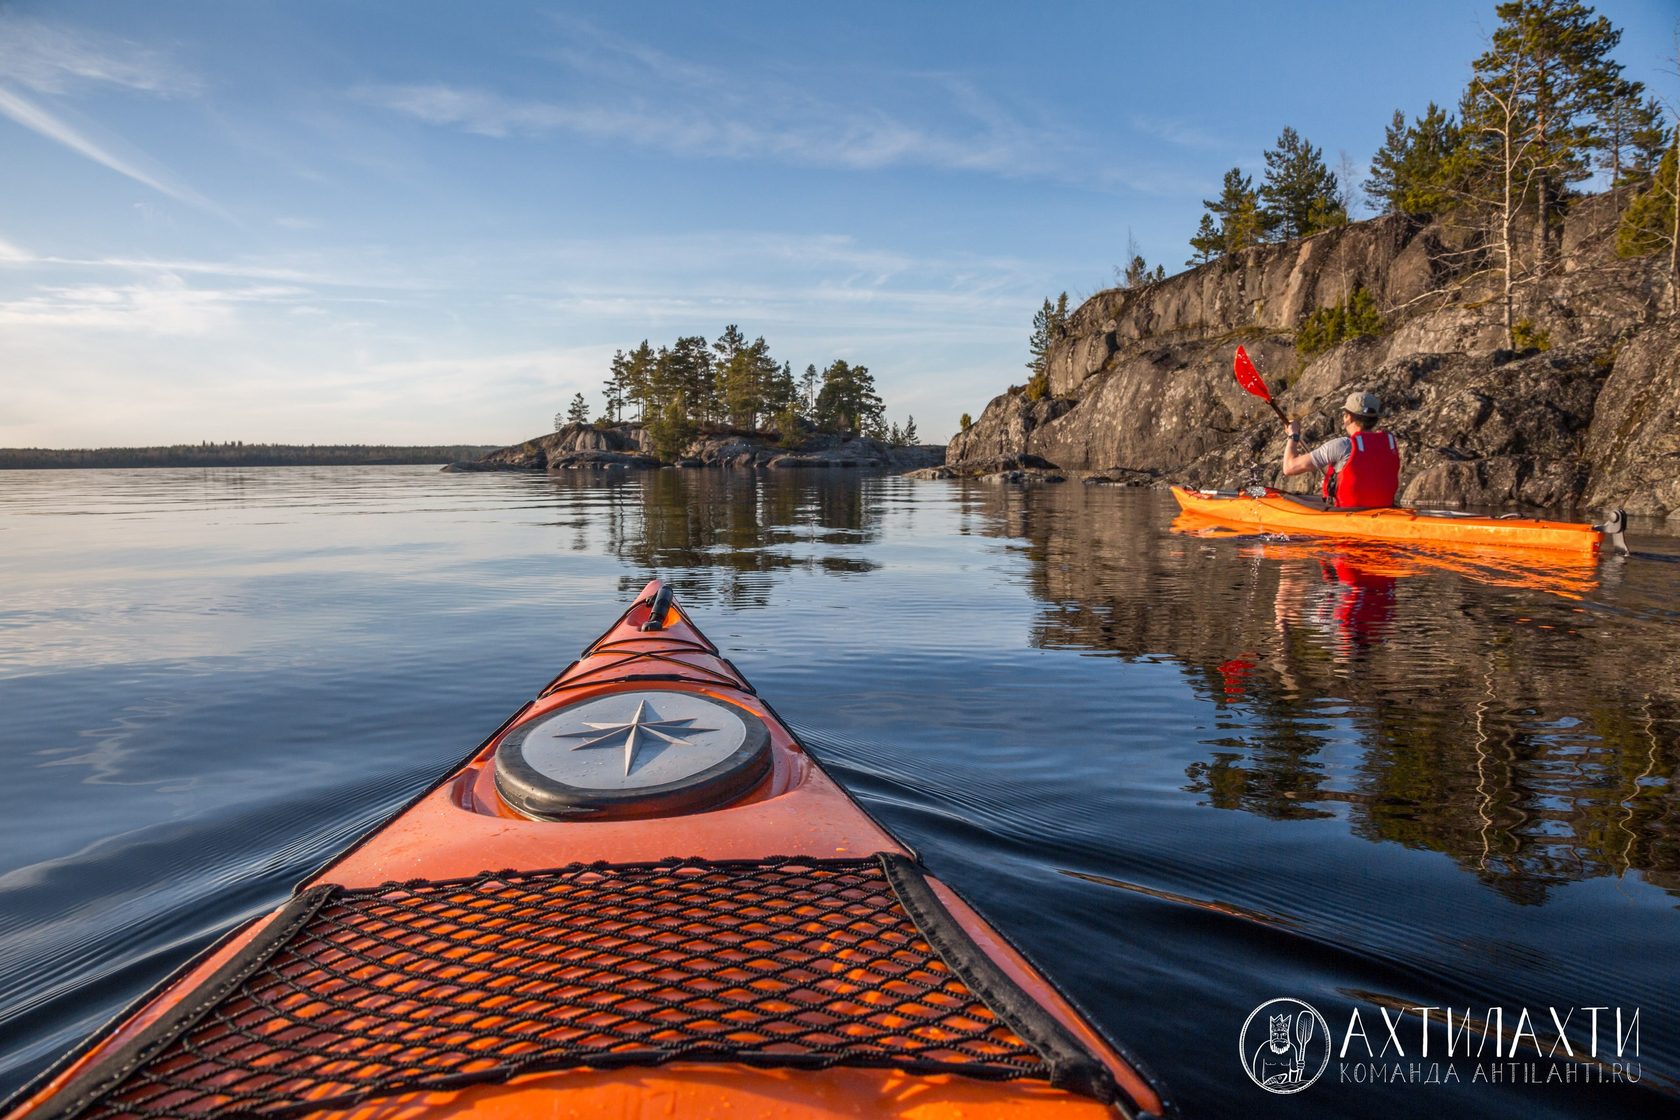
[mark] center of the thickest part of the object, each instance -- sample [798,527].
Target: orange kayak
[1275,512]
[640,896]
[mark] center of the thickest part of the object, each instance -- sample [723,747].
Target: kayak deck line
[1274,511]
[778,951]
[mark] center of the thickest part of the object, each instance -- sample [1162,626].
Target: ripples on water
[1187,772]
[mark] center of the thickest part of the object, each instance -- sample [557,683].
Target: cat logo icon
[1284,1045]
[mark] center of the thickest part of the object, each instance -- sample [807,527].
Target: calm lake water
[1187,774]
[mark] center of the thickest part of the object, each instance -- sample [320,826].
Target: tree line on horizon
[237,453]
[1546,108]
[692,385]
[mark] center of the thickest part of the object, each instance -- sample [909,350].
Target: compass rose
[607,734]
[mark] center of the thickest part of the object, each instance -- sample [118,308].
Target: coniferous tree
[613,391]
[1236,214]
[910,433]
[1300,192]
[1631,133]
[781,393]
[672,430]
[686,371]
[1410,172]
[1049,325]
[578,413]
[1652,221]
[847,401]
[809,383]
[1208,243]
[736,376]
[1533,101]
[1137,273]
[1386,186]
[639,378]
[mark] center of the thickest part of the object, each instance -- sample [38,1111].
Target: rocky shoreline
[1140,387]
[579,447]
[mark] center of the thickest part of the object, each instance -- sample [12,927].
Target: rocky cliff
[1141,384]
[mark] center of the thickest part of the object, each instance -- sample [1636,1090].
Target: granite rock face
[1634,439]
[1141,385]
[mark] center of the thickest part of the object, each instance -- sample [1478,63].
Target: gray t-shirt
[1332,453]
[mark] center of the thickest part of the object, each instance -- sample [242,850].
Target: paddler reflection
[1350,604]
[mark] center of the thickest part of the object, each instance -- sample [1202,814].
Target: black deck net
[356,994]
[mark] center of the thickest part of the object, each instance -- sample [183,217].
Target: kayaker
[1362,468]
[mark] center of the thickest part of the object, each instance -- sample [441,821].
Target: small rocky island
[580,446]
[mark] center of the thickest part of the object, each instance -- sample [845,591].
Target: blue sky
[420,222]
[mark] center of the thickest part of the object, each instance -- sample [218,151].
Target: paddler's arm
[1295,460]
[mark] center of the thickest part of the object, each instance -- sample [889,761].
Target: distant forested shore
[236,454]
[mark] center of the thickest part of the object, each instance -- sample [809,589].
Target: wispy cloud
[1179,133]
[52,62]
[53,59]
[324,276]
[37,119]
[646,97]
[165,306]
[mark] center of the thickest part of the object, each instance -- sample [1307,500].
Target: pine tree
[910,434]
[578,413]
[782,392]
[1049,326]
[1236,213]
[1137,273]
[1299,193]
[1533,101]
[672,430]
[1208,243]
[1386,185]
[809,382]
[687,372]
[737,377]
[847,401]
[640,380]
[1652,221]
[613,391]
[1632,136]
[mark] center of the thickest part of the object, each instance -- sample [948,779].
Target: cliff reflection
[723,536]
[1523,719]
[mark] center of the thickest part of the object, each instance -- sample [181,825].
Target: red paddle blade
[1249,377]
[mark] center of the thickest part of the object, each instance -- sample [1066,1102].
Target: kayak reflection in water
[1361,468]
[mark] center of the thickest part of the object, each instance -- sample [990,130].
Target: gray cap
[1363,404]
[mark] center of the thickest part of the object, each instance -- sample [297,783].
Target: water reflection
[722,537]
[1519,715]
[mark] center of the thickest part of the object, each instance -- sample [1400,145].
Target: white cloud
[1179,133]
[56,59]
[639,95]
[166,306]
[37,119]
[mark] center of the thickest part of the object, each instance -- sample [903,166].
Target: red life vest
[1369,476]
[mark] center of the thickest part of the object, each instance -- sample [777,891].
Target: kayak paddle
[1249,378]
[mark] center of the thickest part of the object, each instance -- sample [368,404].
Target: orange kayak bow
[641,895]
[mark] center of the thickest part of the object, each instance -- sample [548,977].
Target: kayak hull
[1275,512]
[782,953]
